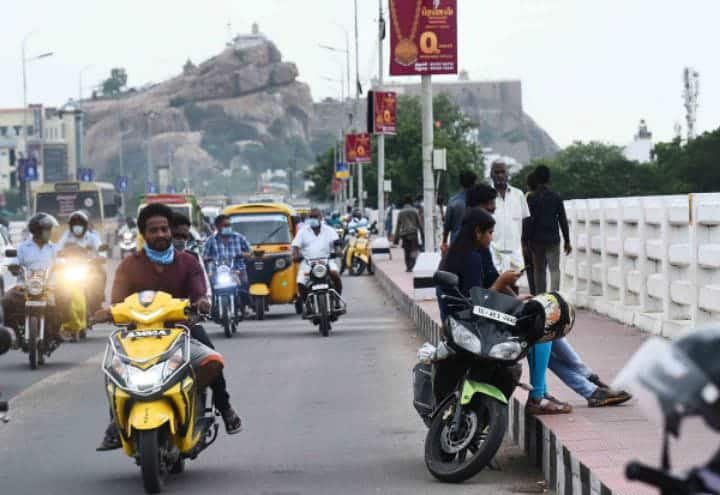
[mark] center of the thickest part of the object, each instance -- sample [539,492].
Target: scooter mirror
[446,280]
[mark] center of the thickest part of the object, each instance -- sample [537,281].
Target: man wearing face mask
[160,267]
[315,241]
[227,246]
[511,209]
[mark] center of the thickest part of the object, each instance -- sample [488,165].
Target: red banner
[358,148]
[423,37]
[385,112]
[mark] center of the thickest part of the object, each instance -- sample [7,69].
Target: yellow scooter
[162,409]
[358,253]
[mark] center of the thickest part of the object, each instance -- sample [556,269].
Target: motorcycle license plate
[491,314]
[259,265]
[36,304]
[321,287]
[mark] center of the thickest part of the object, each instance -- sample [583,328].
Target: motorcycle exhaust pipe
[7,339]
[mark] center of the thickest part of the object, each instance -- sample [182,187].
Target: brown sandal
[557,401]
[544,407]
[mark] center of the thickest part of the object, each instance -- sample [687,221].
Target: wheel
[83,334]
[324,325]
[483,427]
[225,316]
[178,467]
[357,268]
[298,306]
[148,446]
[32,331]
[260,308]
[370,267]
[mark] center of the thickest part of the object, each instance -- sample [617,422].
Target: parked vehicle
[476,370]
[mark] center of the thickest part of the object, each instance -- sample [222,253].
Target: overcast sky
[590,70]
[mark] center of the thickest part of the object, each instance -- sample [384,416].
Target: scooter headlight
[464,337]
[35,286]
[319,271]
[506,351]
[145,381]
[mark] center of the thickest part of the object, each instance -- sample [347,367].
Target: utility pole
[427,151]
[361,201]
[381,137]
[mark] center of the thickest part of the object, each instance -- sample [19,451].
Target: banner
[342,171]
[383,112]
[423,37]
[358,148]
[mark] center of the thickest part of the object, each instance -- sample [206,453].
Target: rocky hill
[246,99]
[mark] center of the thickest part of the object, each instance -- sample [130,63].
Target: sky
[590,70]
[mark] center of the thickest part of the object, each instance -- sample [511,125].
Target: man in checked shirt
[227,246]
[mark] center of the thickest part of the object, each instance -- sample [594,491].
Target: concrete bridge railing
[652,262]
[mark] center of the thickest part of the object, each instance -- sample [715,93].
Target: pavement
[322,415]
[584,452]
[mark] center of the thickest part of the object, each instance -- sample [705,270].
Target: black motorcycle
[476,371]
[323,304]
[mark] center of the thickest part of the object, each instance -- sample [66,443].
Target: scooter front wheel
[455,453]
[148,445]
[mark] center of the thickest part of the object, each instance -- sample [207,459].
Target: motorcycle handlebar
[637,471]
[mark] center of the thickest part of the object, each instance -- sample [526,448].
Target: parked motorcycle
[323,304]
[464,402]
[163,413]
[128,244]
[358,253]
[228,305]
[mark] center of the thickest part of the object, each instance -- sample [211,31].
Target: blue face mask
[226,231]
[314,223]
[160,257]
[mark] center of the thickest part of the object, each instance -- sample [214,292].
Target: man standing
[456,208]
[548,212]
[511,208]
[408,229]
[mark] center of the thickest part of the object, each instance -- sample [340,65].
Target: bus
[99,200]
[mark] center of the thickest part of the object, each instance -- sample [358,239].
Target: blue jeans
[569,367]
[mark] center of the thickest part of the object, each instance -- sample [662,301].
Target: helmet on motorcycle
[79,217]
[41,221]
[555,316]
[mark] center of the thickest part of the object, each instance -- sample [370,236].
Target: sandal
[544,407]
[557,401]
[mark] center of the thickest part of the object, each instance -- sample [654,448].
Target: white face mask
[78,230]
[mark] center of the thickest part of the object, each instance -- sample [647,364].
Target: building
[640,150]
[53,137]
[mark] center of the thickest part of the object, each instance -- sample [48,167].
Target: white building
[640,150]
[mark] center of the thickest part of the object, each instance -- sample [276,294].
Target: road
[322,416]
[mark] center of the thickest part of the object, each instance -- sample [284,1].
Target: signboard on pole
[28,169]
[382,112]
[85,174]
[342,171]
[121,184]
[423,37]
[358,148]
[152,188]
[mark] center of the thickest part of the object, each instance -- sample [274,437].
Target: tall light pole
[381,137]
[25,61]
[361,200]
[150,115]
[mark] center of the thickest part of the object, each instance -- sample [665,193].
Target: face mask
[500,184]
[314,223]
[160,257]
[180,244]
[227,231]
[45,235]
[78,230]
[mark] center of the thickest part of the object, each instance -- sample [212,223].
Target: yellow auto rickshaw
[269,228]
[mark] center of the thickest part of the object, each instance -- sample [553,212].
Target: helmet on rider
[79,223]
[356,213]
[41,225]
[130,222]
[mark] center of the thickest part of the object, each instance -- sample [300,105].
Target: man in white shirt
[511,208]
[316,240]
[79,234]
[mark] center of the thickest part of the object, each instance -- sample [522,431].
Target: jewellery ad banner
[358,148]
[384,112]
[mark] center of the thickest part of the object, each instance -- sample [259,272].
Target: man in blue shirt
[456,208]
[227,246]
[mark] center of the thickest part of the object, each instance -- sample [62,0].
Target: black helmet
[79,217]
[554,319]
[41,221]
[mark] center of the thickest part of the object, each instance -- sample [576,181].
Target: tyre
[370,267]
[358,267]
[178,467]
[324,325]
[148,446]
[455,456]
[225,317]
[259,307]
[83,334]
[32,332]
[298,306]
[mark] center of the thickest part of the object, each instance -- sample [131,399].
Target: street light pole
[150,167]
[361,200]
[381,137]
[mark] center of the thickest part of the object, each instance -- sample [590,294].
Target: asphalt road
[322,416]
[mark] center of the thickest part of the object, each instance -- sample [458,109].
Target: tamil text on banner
[384,112]
[358,148]
[423,37]
[342,171]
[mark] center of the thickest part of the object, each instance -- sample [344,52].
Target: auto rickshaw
[269,228]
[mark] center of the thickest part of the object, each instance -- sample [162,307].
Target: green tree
[403,152]
[115,83]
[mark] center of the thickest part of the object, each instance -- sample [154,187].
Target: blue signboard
[121,184]
[171,190]
[152,188]
[27,169]
[85,174]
